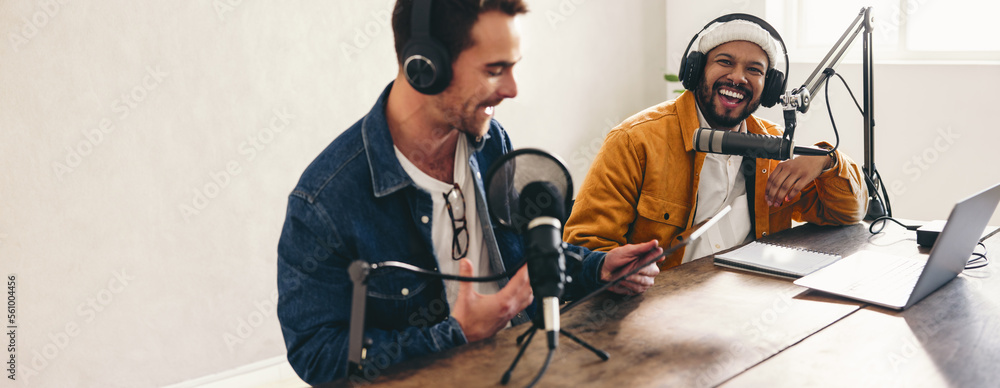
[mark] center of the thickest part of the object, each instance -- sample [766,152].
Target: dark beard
[708,108]
[462,115]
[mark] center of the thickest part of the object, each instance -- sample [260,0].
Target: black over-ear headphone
[425,59]
[693,62]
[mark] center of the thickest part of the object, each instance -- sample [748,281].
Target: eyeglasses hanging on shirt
[455,202]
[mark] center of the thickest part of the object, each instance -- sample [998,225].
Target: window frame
[787,15]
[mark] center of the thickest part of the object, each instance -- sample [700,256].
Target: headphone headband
[426,63]
[689,74]
[420,19]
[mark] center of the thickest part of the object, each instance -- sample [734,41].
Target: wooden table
[950,338]
[703,325]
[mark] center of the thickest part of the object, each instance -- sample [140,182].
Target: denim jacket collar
[388,175]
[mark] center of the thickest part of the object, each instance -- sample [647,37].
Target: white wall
[588,65]
[934,141]
[149,148]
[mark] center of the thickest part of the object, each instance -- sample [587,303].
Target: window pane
[957,25]
[823,22]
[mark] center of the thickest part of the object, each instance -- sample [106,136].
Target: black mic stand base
[530,334]
[875,209]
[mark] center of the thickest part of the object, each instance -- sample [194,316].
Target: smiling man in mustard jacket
[648,182]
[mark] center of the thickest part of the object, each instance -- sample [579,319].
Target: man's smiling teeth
[730,93]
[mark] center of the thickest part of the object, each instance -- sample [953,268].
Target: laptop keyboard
[889,277]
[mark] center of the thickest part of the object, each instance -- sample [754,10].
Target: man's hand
[624,259]
[482,316]
[791,176]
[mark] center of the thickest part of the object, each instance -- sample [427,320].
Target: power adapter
[928,233]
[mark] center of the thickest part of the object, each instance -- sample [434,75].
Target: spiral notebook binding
[796,248]
[750,257]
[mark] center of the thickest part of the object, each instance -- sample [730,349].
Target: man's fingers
[519,286]
[656,252]
[464,270]
[634,250]
[773,185]
[794,191]
[648,271]
[632,285]
[628,288]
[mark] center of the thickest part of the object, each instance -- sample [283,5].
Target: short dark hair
[451,21]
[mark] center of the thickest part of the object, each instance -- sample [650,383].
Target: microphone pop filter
[511,173]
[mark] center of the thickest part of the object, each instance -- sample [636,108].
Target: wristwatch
[833,161]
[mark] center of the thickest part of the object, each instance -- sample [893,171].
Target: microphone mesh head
[508,177]
[541,199]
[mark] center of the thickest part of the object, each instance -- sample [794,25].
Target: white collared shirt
[441,223]
[721,183]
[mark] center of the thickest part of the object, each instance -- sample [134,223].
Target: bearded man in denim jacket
[404,183]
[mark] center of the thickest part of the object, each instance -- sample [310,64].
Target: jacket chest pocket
[396,296]
[659,218]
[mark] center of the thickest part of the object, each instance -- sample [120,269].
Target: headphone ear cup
[772,88]
[691,68]
[427,66]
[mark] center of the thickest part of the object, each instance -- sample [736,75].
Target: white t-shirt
[441,224]
[722,183]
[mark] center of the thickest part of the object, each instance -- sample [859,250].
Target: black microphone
[542,206]
[750,144]
[744,144]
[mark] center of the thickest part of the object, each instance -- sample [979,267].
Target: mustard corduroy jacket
[643,185]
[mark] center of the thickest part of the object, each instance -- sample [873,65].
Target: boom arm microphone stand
[800,98]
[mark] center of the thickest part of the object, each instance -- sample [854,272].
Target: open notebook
[776,260]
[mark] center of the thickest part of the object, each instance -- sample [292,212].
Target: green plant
[673,78]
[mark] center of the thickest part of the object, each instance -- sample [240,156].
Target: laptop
[898,282]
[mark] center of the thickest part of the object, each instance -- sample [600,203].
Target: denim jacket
[355,202]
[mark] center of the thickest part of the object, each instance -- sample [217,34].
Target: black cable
[424,271]
[493,278]
[849,91]
[884,196]
[545,367]
[871,228]
[980,260]
[829,110]
[881,197]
